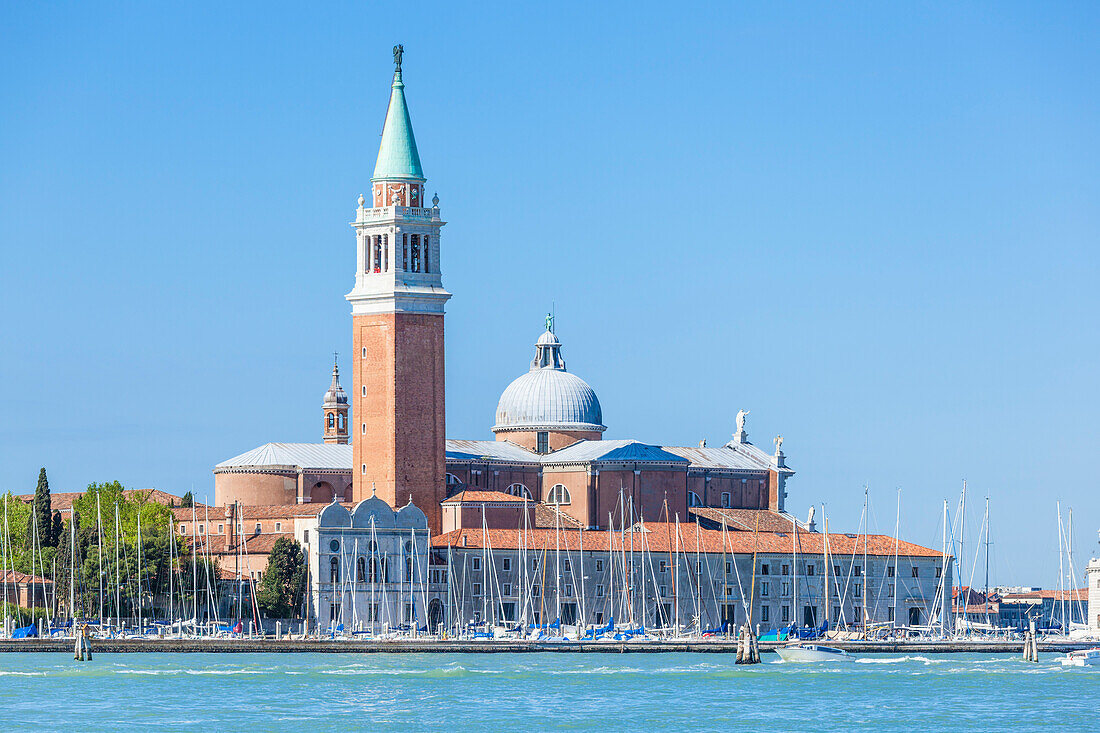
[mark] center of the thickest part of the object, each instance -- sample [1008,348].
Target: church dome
[548,397]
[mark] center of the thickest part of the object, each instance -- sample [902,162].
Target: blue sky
[874,225]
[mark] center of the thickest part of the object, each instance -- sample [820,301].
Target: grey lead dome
[548,397]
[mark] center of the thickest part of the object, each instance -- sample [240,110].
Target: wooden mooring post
[83,650]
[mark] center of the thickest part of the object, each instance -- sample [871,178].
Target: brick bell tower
[397,319]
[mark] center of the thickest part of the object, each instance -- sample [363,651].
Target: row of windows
[200,528]
[415,251]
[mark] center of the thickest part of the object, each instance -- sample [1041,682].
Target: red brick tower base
[398,446]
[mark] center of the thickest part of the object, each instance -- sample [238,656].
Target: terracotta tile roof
[744,520]
[18,578]
[661,537]
[260,511]
[254,544]
[63,501]
[473,496]
[549,517]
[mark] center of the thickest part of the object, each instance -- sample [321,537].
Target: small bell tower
[336,409]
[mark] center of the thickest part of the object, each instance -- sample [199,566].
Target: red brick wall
[403,409]
[556,440]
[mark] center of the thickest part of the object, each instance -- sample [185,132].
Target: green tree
[188,500]
[281,589]
[57,533]
[41,515]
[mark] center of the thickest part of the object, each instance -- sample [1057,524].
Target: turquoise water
[453,692]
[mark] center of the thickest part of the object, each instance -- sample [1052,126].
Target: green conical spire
[397,155]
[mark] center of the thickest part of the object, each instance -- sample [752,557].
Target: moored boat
[813,653]
[1082,658]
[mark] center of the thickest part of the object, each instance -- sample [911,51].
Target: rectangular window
[221,529]
[278,526]
[726,499]
[364,390]
[565,567]
[857,589]
[915,573]
[475,563]
[939,571]
[785,570]
[364,428]
[698,567]
[542,440]
[764,589]
[200,529]
[599,566]
[568,591]
[857,614]
[364,354]
[506,589]
[764,570]
[729,567]
[535,591]
[599,591]
[889,571]
[363,469]
[785,589]
[890,592]
[477,589]
[786,614]
[664,590]
[857,570]
[836,571]
[764,614]
[729,590]
[890,613]
[664,566]
[836,614]
[506,565]
[810,569]
[257,527]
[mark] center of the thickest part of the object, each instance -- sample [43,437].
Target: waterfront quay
[116,646]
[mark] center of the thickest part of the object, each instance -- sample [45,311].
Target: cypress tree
[41,514]
[58,532]
[188,500]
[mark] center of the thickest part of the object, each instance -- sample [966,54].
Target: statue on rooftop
[398,52]
[778,444]
[741,415]
[550,322]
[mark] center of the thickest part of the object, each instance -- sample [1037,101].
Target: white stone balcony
[396,212]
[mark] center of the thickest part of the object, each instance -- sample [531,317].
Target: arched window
[519,490]
[331,420]
[693,499]
[409,560]
[378,254]
[416,253]
[361,570]
[404,252]
[385,253]
[427,249]
[558,495]
[334,570]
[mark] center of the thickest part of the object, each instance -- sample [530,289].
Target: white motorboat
[813,653]
[1082,658]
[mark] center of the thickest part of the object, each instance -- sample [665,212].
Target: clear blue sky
[874,225]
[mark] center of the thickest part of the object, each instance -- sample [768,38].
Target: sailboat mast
[986,592]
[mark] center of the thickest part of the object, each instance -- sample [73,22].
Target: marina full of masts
[114,568]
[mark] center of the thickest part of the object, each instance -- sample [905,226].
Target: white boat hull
[813,653]
[1085,658]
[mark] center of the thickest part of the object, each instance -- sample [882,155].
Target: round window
[334,545]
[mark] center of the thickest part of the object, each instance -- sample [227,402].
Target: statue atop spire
[550,322]
[398,52]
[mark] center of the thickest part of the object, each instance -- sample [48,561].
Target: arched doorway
[435,615]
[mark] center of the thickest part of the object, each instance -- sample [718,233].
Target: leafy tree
[41,515]
[283,583]
[188,500]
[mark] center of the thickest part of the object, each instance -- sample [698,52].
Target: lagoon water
[468,692]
